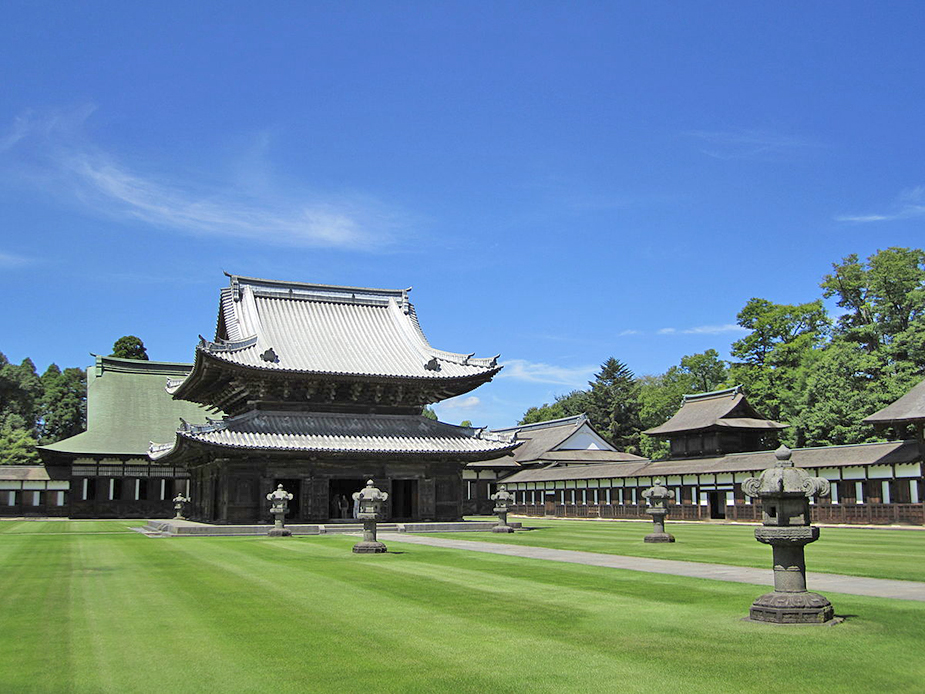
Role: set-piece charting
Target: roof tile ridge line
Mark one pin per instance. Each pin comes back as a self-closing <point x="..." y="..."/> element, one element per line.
<point x="405" y="320"/>
<point x="247" y="314"/>
<point x="227" y="346"/>
<point x="311" y="285"/>
<point x="712" y="394"/>
<point x="453" y="357"/>
<point x="546" y="423"/>
<point x="123" y="360"/>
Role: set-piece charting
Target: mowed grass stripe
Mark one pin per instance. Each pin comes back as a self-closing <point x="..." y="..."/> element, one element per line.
<point x="35" y="618"/>
<point x="231" y="614"/>
<point x="876" y="553"/>
<point x="57" y="527"/>
<point x="133" y="623"/>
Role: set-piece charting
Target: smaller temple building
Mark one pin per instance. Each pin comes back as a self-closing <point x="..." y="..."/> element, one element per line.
<point x="556" y="443"/>
<point x="105" y="472"/>
<point x="322" y="388"/>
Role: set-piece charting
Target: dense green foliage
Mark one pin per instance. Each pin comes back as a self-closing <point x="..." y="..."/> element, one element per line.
<point x="129" y="347"/>
<point x="38" y="409"/>
<point x="797" y="364"/>
<point x="101" y="613"/>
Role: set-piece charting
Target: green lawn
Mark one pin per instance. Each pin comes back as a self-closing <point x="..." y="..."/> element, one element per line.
<point x="100" y="612"/>
<point x="878" y="553"/>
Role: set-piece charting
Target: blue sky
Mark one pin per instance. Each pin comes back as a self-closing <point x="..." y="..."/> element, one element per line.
<point x="559" y="182"/>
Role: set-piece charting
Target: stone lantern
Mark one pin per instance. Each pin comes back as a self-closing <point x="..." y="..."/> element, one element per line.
<point x="369" y="500"/>
<point x="279" y="506"/>
<point x="785" y="492"/>
<point x="179" y="501"/>
<point x="658" y="497"/>
<point x="503" y="501"/>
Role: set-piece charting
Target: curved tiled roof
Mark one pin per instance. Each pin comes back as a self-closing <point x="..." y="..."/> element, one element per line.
<point x="340" y="433"/>
<point x="292" y="327"/>
<point x="909" y="408"/>
<point x="722" y="408"/>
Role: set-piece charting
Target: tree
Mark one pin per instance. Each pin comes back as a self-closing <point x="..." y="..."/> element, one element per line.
<point x="568" y="405"/>
<point x="706" y="370"/>
<point x="17" y="445"/>
<point x="884" y="302"/>
<point x="63" y="405"/>
<point x="877" y="350"/>
<point x="775" y="354"/>
<point x="428" y="412"/>
<point x="840" y="389"/>
<point x="614" y="405"/>
<point x="129" y="347"/>
<point x="20" y="391"/>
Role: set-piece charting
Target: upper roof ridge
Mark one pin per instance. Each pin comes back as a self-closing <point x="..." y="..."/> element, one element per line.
<point x="574" y="419"/>
<point x="319" y="292"/>
<point x="735" y="390"/>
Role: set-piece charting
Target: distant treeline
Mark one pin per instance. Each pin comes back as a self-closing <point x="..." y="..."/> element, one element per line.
<point x="799" y="365"/>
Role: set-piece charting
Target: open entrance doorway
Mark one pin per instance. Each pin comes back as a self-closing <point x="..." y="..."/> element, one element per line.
<point x="404" y="499"/>
<point x="549" y="504"/>
<point x="340" y="497"/>
<point x="291" y="486"/>
<point x="717" y="503"/>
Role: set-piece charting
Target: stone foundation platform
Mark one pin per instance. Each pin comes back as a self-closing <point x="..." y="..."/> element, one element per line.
<point x="177" y="528"/>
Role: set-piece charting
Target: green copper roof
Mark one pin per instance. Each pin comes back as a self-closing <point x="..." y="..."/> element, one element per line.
<point x="128" y="407"/>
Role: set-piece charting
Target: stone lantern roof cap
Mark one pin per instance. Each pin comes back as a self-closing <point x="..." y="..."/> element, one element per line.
<point x="785" y="480"/>
<point x="370" y="493"/>
<point x="279" y="494"/>
<point x="657" y="491"/>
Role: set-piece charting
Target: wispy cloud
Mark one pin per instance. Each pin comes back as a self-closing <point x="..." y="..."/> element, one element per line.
<point x="696" y="330"/>
<point x="461" y="403"/>
<point x="749" y="144"/>
<point x="11" y="260"/>
<point x="715" y="329"/>
<point x="537" y="372"/>
<point x="909" y="204"/>
<point x="53" y="152"/>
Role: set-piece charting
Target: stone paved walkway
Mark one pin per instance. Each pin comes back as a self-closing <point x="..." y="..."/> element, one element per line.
<point x="823" y="583"/>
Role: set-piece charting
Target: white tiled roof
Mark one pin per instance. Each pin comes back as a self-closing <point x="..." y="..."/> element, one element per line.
<point x="289" y="326"/>
<point x="342" y="433"/>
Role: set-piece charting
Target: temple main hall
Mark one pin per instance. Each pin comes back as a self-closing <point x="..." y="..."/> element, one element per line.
<point x="320" y="388"/>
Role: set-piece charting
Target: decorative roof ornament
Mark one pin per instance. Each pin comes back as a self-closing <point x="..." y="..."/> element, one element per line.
<point x="270" y="356"/>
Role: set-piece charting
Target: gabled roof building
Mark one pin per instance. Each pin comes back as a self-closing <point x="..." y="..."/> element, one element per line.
<point x="558" y="443"/>
<point x="717" y="440"/>
<point x="322" y="388"/>
<point x="716" y="423"/>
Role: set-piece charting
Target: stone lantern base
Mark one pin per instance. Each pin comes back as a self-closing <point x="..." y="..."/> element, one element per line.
<point x="791" y="608"/>
<point x="502" y="529"/>
<point x="658" y="537"/>
<point x="369" y="547"/>
<point x="279" y="532"/>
